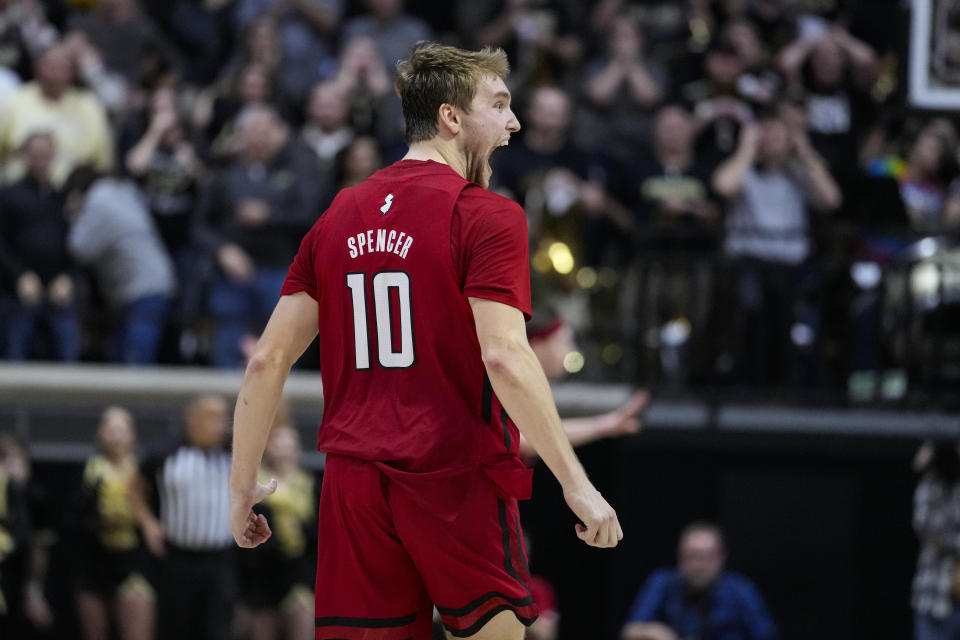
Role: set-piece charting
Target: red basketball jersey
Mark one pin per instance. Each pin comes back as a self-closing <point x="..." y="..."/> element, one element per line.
<point x="391" y="264"/>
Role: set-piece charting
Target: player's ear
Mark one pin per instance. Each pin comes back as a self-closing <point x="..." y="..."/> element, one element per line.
<point x="448" y="117"/>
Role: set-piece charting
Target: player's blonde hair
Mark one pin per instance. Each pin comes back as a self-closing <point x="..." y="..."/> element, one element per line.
<point x="437" y="74"/>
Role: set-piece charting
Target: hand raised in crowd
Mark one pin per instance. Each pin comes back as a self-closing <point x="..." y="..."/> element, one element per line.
<point x="252" y="212"/>
<point x="250" y="529"/>
<point x="29" y="289"/>
<point x="162" y="120"/>
<point x="600" y="526"/>
<point x="235" y="262"/>
<point x="60" y="290"/>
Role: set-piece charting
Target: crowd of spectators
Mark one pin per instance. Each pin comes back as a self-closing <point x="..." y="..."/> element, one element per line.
<point x="693" y="171"/>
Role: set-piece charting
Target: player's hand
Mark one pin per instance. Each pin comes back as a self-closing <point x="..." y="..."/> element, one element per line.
<point x="250" y="529"/>
<point x="600" y="526"/>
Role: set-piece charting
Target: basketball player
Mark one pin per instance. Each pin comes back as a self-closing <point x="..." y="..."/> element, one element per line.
<point x="418" y="279"/>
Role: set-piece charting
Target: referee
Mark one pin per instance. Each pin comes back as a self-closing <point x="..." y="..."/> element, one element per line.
<point x="189" y="484"/>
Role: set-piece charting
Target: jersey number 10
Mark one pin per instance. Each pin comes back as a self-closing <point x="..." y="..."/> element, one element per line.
<point x="383" y="282"/>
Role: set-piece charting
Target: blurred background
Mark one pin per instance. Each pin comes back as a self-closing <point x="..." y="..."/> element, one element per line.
<point x="748" y="208"/>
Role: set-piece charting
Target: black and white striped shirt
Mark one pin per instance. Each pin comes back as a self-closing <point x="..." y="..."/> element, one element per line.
<point x="193" y="493"/>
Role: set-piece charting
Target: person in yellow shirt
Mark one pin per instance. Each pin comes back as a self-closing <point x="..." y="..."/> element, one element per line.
<point x="52" y="103"/>
<point x="109" y="570"/>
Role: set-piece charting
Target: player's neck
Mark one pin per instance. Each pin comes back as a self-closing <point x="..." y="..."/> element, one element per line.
<point x="439" y="151"/>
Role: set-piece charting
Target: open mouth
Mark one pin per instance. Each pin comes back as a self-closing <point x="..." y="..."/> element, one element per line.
<point x="502" y="143"/>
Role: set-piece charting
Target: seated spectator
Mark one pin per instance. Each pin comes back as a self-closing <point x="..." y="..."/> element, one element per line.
<point x="76" y="118"/>
<point x="34" y="259"/>
<point x="327" y="130"/>
<point x="768" y="184"/>
<point x="250" y="222"/>
<point x="700" y="598"/>
<point x="111" y="561"/>
<point x="305" y="33"/>
<point x="113" y="234"/>
<point x="622" y="88"/>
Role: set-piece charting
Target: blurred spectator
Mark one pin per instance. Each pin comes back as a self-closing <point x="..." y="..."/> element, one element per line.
<point x="305" y="30"/>
<point x="181" y="500"/>
<point x="34" y="259"/>
<point x="14" y="537"/>
<point x="200" y="30"/>
<point x="278" y="578"/>
<point x="24" y="30"/>
<point x="110" y="571"/>
<point x="924" y="175"/>
<point x="837" y="72"/>
<point x="110" y="88"/>
<point x="251" y="221"/>
<point x="358" y="161"/>
<point x="672" y="183"/>
<point x="215" y="114"/>
<point x="768" y="184"/>
<point x="50" y="102"/>
<point x="129" y="41"/>
<point x="672" y="196"/>
<point x="327" y="130"/>
<point x="541" y="37"/>
<point x="759" y="84"/>
<point x="390" y="27"/>
<point x="622" y="88"/>
<point x="368" y="82"/>
<point x="24" y="608"/>
<point x="563" y="189"/>
<point x="719" y="111"/>
<point x="700" y="598"/>
<point x="936" y="521"/>
<point x="112" y="233"/>
<point x="170" y="173"/>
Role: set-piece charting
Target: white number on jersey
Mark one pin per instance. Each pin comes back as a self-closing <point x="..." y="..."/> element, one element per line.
<point x="387" y="355"/>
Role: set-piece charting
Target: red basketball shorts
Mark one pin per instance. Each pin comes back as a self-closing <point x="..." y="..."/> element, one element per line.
<point x="386" y="557"/>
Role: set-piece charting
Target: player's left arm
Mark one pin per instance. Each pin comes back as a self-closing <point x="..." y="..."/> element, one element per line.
<point x="289" y="332"/>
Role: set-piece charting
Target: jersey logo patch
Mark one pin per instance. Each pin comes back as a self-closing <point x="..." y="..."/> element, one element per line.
<point x="387" y="203"/>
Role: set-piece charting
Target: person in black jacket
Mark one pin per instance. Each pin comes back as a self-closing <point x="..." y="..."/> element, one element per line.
<point x="34" y="262"/>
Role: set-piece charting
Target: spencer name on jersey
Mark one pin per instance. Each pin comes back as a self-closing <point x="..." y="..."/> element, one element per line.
<point x="379" y="241"/>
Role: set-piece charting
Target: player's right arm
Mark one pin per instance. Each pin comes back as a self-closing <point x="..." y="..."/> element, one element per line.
<point x="522" y="387"/>
<point x="289" y="332"/>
